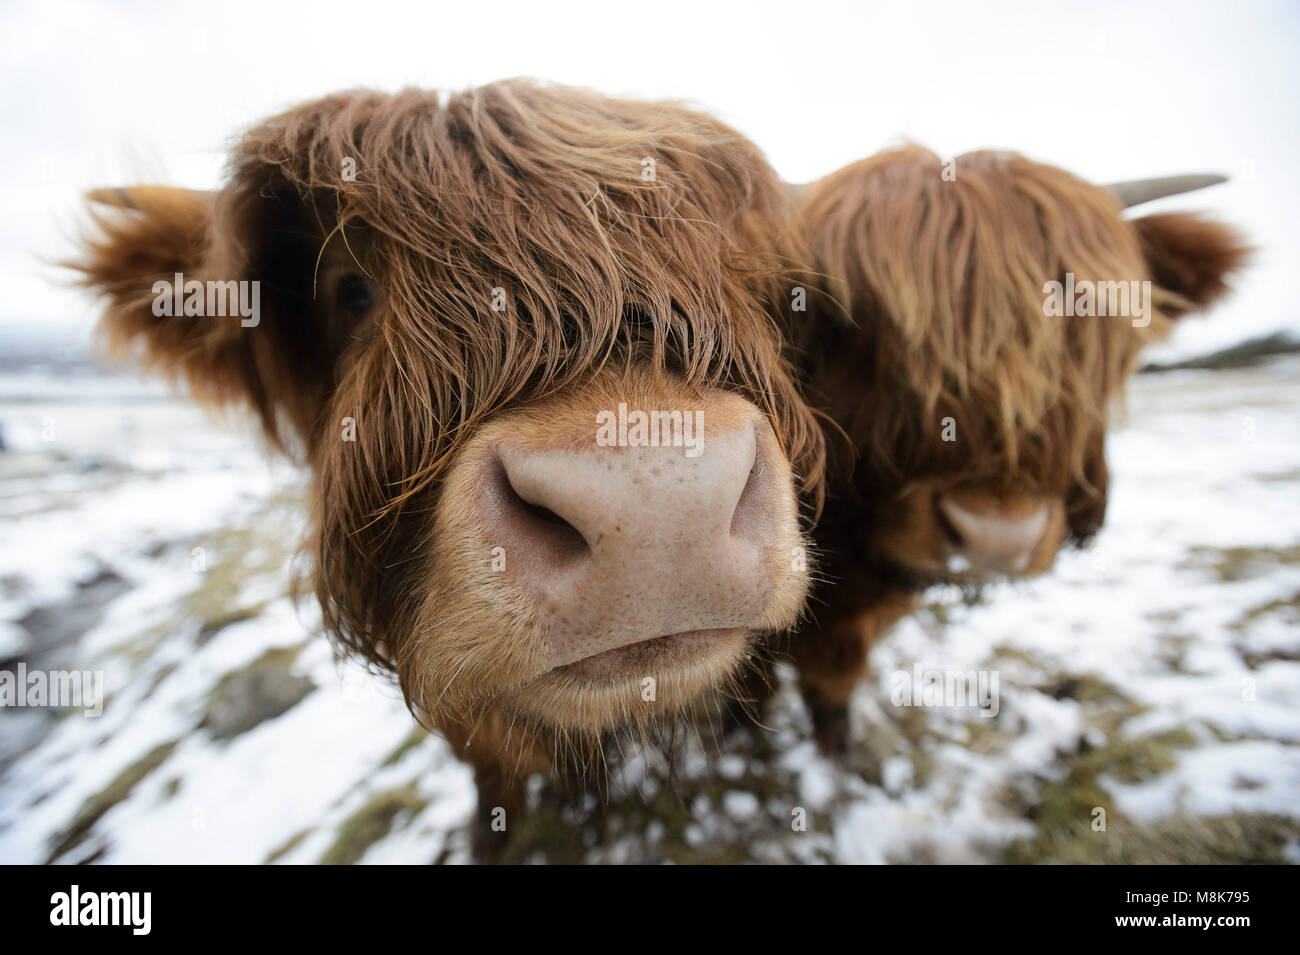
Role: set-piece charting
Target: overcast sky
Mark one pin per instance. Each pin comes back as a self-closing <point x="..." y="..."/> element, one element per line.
<point x="98" y="93"/>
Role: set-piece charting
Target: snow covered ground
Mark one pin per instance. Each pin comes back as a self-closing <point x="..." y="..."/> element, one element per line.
<point x="1151" y="683"/>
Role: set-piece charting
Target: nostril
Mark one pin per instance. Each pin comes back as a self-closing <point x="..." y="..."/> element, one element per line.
<point x="1000" y="534"/>
<point x="748" y="512"/>
<point x="537" y="524"/>
<point x="946" y="527"/>
<point x="544" y="513"/>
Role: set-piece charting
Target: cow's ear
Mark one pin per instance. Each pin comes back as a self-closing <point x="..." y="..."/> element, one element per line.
<point x="1191" y="257"/>
<point x="217" y="290"/>
<point x="141" y="238"/>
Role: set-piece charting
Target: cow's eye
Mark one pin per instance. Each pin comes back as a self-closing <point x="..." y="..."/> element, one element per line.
<point x="356" y="293"/>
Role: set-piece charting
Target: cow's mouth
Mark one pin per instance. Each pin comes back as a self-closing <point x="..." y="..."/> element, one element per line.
<point x="636" y="682"/>
<point x="648" y="656"/>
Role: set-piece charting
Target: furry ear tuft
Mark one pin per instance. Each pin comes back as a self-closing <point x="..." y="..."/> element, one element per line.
<point x="150" y="234"/>
<point x="1191" y="256"/>
<point x="244" y="243"/>
<point x="147" y="236"/>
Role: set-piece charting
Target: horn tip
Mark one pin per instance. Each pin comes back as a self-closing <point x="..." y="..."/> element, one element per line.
<point x="116" y="198"/>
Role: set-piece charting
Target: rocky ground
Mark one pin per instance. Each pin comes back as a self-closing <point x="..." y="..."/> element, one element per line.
<point x="1154" y="678"/>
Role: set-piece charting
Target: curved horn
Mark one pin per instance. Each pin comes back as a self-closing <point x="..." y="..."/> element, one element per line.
<point x="139" y="197"/>
<point x="1137" y="191"/>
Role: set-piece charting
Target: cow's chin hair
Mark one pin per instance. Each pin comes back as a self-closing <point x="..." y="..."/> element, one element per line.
<point x="461" y="667"/>
<point x="493" y="667"/>
<point x="490" y="655"/>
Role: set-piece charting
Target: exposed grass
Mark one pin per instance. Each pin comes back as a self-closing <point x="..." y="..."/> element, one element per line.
<point x="214" y="625"/>
<point x="1065" y="809"/>
<point x="413" y="739"/>
<point x="282" y="850"/>
<point x="1238" y="839"/>
<point x="231" y="558"/>
<point x="1286" y="608"/>
<point x="94" y="808"/>
<point x="1232" y="564"/>
<point x="260" y="691"/>
<point x="710" y="817"/>
<point x="1085" y="688"/>
<point x="159" y="678"/>
<point x="372" y="822"/>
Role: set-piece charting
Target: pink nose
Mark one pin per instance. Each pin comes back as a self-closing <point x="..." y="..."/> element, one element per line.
<point x="994" y="540"/>
<point x="618" y="545"/>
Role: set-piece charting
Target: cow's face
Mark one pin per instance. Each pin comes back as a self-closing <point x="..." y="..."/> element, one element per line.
<point x="526" y="339"/>
<point x="991" y="310"/>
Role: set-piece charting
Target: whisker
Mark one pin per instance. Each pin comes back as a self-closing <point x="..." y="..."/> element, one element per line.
<point x="453" y="679"/>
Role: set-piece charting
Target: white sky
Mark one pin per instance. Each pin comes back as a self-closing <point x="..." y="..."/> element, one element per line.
<point x="101" y="94"/>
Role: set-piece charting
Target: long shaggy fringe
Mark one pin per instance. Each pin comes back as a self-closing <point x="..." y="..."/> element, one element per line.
<point x="616" y="234"/>
<point x="619" y="232"/>
<point x="942" y="280"/>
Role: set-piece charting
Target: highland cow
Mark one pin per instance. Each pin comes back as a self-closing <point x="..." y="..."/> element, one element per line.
<point x="974" y="406"/>
<point x="456" y="299"/>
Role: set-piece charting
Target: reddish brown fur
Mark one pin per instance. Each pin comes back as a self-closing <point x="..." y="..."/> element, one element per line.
<point x="931" y="306"/>
<point x="612" y="281"/>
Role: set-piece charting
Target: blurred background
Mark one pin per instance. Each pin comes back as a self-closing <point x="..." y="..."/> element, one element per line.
<point x="1156" y="675"/>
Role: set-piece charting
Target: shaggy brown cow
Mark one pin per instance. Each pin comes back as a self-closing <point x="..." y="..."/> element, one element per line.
<point x="973" y="392"/>
<point x="468" y="311"/>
